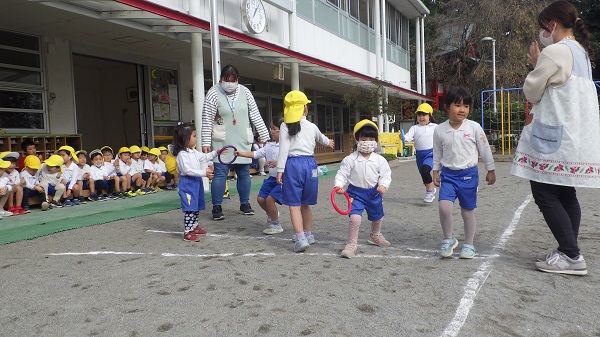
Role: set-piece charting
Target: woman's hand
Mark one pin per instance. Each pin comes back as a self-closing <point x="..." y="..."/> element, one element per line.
<point x="534" y="53"/>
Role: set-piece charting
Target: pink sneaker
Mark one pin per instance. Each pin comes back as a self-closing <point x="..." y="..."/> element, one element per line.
<point x="191" y="236"/>
<point x="349" y="251"/>
<point x="378" y="240"/>
<point x="199" y="230"/>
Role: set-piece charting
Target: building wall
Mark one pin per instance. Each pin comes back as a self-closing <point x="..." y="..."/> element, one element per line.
<point x="59" y="77"/>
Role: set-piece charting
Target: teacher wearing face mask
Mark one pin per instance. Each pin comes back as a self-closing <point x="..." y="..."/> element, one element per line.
<point x="228" y="114"/>
<point x="559" y="148"/>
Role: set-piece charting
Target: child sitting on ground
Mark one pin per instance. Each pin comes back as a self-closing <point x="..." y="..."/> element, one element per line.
<point x="152" y="166"/>
<point x="83" y="175"/>
<point x="124" y="167"/>
<point x="111" y="172"/>
<point x="52" y="182"/>
<point x="30" y="178"/>
<point x="99" y="179"/>
<point x="15" y="197"/>
<point x="140" y="178"/>
<point x="70" y="174"/>
<point x="5" y="188"/>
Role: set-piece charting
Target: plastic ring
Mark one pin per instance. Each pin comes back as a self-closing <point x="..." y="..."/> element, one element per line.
<point x="221" y="151"/>
<point x="337" y="209"/>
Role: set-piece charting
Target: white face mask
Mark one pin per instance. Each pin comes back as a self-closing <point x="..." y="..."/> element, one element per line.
<point x="229" y="87"/>
<point x="98" y="165"/>
<point x="366" y="146"/>
<point x="546" y="41"/>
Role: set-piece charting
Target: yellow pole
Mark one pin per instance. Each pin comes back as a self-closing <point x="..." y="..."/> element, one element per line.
<point x="509" y="133"/>
<point x="502" y="118"/>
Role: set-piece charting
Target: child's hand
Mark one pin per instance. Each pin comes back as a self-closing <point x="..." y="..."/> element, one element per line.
<point x="38" y="188"/>
<point x="490" y="177"/>
<point x="210" y="171"/>
<point x="340" y="190"/>
<point x="85" y="176"/>
<point x="436" y="178"/>
<point x="23" y="181"/>
<point x="279" y="178"/>
<point x="105" y="177"/>
<point x="3" y="190"/>
<point x="116" y="163"/>
<point x="272" y="163"/>
<point x="331" y="144"/>
<point x="381" y="189"/>
<point x="67" y="193"/>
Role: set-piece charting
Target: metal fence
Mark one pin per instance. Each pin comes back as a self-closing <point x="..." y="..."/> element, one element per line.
<point x="503" y="118"/>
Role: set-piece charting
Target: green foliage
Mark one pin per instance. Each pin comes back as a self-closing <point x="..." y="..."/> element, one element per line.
<point x="389" y="156"/>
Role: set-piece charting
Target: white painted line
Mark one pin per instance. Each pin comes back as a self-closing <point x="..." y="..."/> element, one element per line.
<point x="476" y="281"/>
<point x="98" y="253"/>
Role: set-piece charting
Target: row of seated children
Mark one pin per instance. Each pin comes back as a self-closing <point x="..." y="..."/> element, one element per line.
<point x="61" y="178"/>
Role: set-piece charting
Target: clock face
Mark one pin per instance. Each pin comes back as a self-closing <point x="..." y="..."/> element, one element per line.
<point x="253" y="13"/>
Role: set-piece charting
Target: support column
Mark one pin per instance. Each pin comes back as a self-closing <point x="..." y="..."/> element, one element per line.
<point x="214" y="41"/>
<point x="377" y="21"/>
<point x="418" y="52"/>
<point x="294" y="69"/>
<point x="423" y="78"/>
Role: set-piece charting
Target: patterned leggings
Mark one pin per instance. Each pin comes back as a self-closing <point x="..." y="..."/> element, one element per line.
<point x="190" y="220"/>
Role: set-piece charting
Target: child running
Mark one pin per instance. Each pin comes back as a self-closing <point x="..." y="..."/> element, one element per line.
<point x="270" y="192"/>
<point x="422" y="135"/>
<point x="191" y="188"/>
<point x="369" y="176"/>
<point x="457" y="144"/>
<point x="296" y="166"/>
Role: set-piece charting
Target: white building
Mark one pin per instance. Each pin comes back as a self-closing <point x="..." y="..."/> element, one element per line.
<point x="124" y="72"/>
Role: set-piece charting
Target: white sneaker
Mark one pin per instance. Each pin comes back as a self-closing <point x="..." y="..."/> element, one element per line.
<point x="430" y="196"/>
<point x="263" y="173"/>
<point x="6" y="213"/>
<point x="273" y="230"/>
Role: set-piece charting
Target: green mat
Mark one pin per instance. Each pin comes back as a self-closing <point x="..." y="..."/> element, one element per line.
<point x="38" y="223"/>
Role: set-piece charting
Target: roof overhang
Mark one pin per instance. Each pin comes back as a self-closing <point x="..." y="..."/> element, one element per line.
<point x="157" y="19"/>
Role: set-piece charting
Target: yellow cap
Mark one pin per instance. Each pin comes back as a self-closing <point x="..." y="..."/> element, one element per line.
<point x="4" y="164"/>
<point x="134" y="149"/>
<point x="9" y="154"/>
<point x="70" y="151"/>
<point x="124" y="149"/>
<point x="362" y="123"/>
<point x="54" y="160"/>
<point x="295" y="101"/>
<point x="106" y="147"/>
<point x="154" y="151"/>
<point x="426" y="108"/>
<point x="145" y="149"/>
<point x="33" y="162"/>
<point x="162" y="148"/>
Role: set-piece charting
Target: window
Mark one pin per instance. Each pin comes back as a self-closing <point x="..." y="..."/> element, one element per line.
<point x="22" y="98"/>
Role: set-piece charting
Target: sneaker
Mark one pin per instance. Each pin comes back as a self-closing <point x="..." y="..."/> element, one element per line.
<point x="560" y="263"/>
<point x="430" y="196"/>
<point x="76" y="202"/>
<point x="130" y="194"/>
<point x="139" y="192"/>
<point x="349" y="251"/>
<point x="68" y="203"/>
<point x="246" y="209"/>
<point x="13" y="210"/>
<point x="20" y="211"/>
<point x="148" y="190"/>
<point x="198" y="230"/>
<point x="378" y="240"/>
<point x="92" y="197"/>
<point x="191" y="236"/>
<point x="311" y="239"/>
<point x="101" y="198"/>
<point x="82" y="200"/>
<point x="111" y="196"/>
<point x="467" y="251"/>
<point x="301" y="245"/>
<point x="273" y="229"/>
<point x="217" y="213"/>
<point x="45" y="206"/>
<point x="262" y="173"/>
<point x="448" y="245"/>
<point x="5" y="213"/>
<point x="56" y="204"/>
<point x="544" y="256"/>
<point x="26" y="210"/>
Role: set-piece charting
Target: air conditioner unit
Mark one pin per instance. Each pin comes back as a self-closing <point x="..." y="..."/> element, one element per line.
<point x="279" y="72"/>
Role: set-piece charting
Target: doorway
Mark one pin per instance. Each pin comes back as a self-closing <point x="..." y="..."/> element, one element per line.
<point x="106" y="102"/>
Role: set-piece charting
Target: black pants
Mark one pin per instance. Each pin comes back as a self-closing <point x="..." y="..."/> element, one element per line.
<point x="562" y="213"/>
<point x="426" y="174"/>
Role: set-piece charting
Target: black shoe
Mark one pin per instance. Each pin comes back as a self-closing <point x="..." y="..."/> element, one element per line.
<point x="217" y="213"/>
<point x="246" y="209"/>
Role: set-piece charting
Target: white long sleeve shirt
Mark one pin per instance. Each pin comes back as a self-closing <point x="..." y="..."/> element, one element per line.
<point x="188" y="162"/>
<point x="364" y="172"/>
<point x="270" y="152"/>
<point x="30" y="180"/>
<point x="70" y="174"/>
<point x="421" y="135"/>
<point x="460" y="149"/>
<point x="13" y="177"/>
<point x="301" y="144"/>
<point x="4" y="182"/>
<point x="52" y="178"/>
<point x="124" y="169"/>
<point x="553" y="68"/>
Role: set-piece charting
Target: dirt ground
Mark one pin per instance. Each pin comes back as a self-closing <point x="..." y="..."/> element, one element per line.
<point x="137" y="277"/>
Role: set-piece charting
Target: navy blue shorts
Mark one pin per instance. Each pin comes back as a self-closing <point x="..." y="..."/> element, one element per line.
<point x="366" y="199"/>
<point x="461" y="184"/>
<point x="191" y="194"/>
<point x="270" y="187"/>
<point x="300" y="181"/>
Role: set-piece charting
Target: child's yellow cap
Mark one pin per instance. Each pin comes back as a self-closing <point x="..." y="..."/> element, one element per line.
<point x="362" y="123"/>
<point x="33" y="162"/>
<point x="55" y="160"/>
<point x="154" y="151"/>
<point x="145" y="149"/>
<point x="70" y="150"/>
<point x="134" y="149"/>
<point x="425" y="108"/>
<point x="162" y="148"/>
<point x="4" y="164"/>
<point x="124" y="149"/>
<point x="294" y="101"/>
